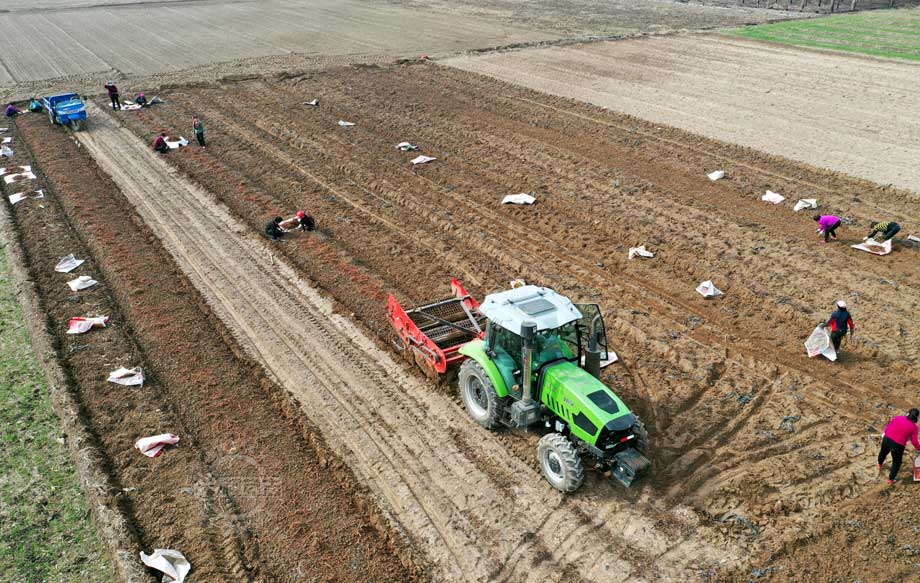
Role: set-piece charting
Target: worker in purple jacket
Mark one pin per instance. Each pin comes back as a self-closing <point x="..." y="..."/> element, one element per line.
<point x="899" y="431"/>
<point x="828" y="224"/>
<point x="113" y="95"/>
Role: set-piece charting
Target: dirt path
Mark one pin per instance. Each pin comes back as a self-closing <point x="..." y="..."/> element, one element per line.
<point x="477" y="510"/>
<point x="835" y="111"/>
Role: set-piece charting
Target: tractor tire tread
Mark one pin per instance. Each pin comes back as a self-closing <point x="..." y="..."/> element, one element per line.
<point x="495" y="405"/>
<point x="573" y="467"/>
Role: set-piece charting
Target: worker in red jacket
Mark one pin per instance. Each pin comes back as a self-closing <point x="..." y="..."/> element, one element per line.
<point x="160" y="144"/>
<point x="898" y="431"/>
<point x="840" y="322"/>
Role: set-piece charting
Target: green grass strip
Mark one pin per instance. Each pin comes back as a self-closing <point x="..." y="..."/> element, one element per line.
<point x="893" y="34"/>
<point x="46" y="535"/>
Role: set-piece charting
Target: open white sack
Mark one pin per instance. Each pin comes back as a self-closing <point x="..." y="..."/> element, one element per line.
<point x="7" y="141"/>
<point x="773" y="197"/>
<point x="6" y="151"/>
<point x="708" y="289"/>
<point x="717" y="175"/>
<point x="871" y="246"/>
<point x="130" y="106"/>
<point x="129" y="377"/>
<point x="913" y="238"/>
<point x="80" y="325"/>
<point x="521" y="198"/>
<point x="25" y="173"/>
<point x="423" y="160"/>
<point x="181" y="142"/>
<point x="345" y="124"/>
<point x="406" y="147"/>
<point x="819" y="342"/>
<point x="82" y="282"/>
<point x="172" y="564"/>
<point x="153" y="446"/>
<point x="21" y="196"/>
<point x="68" y="264"/>
<point x="640" y="251"/>
<point x="805" y="203"/>
<point x="313" y="103"/>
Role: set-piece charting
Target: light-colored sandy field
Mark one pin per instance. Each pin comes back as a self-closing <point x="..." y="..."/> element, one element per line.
<point x="846" y="113"/>
<point x="145" y="39"/>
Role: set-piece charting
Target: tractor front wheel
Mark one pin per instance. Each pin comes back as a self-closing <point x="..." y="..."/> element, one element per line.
<point x="482" y="402"/>
<point x="560" y="463"/>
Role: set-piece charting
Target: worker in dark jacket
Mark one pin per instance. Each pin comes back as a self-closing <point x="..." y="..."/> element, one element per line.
<point x="273" y="229"/>
<point x="840" y="321"/>
<point x="899" y="430"/>
<point x="113" y="95"/>
<point x="160" y="144"/>
<point x="887" y="230"/>
<point x="305" y="221"/>
<point x="141" y="100"/>
<point x="35" y="106"/>
<point x="198" y="128"/>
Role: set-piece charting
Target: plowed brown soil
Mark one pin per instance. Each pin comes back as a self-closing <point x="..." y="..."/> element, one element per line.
<point x="251" y="493"/>
<point x="768" y="446"/>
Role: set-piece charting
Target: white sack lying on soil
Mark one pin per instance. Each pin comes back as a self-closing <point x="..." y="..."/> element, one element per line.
<point x="521" y="198"/>
<point x="68" y="264"/>
<point x="871" y="246"/>
<point x="172" y="564"/>
<point x="773" y="197"/>
<point x="345" y="124"/>
<point x="422" y="160"/>
<point x="717" y="175"/>
<point x="153" y="446"/>
<point x="82" y="282"/>
<point x="806" y="203"/>
<point x="80" y="325"/>
<point x="177" y="144"/>
<point x="708" y="289"/>
<point x="640" y="251"/>
<point x="129" y="377"/>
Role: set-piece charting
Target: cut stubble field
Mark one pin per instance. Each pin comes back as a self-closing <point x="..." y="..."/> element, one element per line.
<point x="768" y="447"/>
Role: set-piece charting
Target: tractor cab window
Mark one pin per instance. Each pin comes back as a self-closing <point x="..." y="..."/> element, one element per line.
<point x="507" y="348"/>
<point x="551" y="345"/>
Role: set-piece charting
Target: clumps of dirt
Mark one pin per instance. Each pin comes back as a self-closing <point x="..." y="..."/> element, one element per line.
<point x="251" y="492"/>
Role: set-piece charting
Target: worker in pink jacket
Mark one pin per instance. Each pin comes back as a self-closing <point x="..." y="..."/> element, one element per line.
<point x="898" y="431"/>
<point x="828" y="224"/>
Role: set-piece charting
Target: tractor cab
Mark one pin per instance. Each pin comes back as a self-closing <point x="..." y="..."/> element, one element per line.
<point x="562" y="332"/>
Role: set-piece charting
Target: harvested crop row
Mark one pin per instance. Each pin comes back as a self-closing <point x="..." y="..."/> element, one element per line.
<point x="250" y="493"/>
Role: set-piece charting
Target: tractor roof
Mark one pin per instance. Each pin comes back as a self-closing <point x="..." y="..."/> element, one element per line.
<point x="509" y="309"/>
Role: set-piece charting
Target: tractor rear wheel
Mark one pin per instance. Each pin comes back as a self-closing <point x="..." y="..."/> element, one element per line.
<point x="641" y="436"/>
<point x="560" y="462"/>
<point x="482" y="402"/>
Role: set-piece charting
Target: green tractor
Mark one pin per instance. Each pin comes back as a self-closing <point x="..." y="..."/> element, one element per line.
<point x="530" y="358"/>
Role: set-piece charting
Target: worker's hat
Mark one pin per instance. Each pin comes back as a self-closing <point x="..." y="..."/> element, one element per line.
<point x="301" y="214"/>
<point x="841" y="304"/>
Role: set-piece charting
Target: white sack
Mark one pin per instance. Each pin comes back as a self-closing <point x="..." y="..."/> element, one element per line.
<point x="819" y="342"/>
<point x="422" y="160"/>
<point x="806" y="203"/>
<point x="153" y="446"/>
<point x="772" y="197"/>
<point x="130" y="106"/>
<point x="4" y="130"/>
<point x="406" y="147"/>
<point x="708" y="289"/>
<point x="81" y="325"/>
<point x="6" y="151"/>
<point x="7" y="141"/>
<point x="172" y="564"/>
<point x="82" y="282"/>
<point x="18" y="197"/>
<point x="68" y="264"/>
<point x="640" y="251"/>
<point x="874" y="247"/>
<point x="345" y="124"/>
<point x="717" y="175"/>
<point x="129" y="377"/>
<point x="913" y="238"/>
<point x="314" y="103"/>
<point x="521" y="198"/>
<point x="25" y="173"/>
<point x="177" y="144"/>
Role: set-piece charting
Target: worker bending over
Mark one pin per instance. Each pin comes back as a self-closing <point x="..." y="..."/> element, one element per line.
<point x="160" y="144"/>
<point x="35" y="106"/>
<point x="887" y="230"/>
<point x="840" y="321"/>
<point x="828" y="224"/>
<point x="273" y="229"/>
<point x="12" y="110"/>
<point x="302" y="221"/>
<point x="894" y="440"/>
<point x="141" y="100"/>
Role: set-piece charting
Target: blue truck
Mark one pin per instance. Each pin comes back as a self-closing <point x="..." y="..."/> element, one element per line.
<point x="66" y="109"/>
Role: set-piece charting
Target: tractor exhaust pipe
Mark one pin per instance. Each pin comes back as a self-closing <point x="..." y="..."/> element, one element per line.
<point x="593" y="351"/>
<point x="528" y="331"/>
